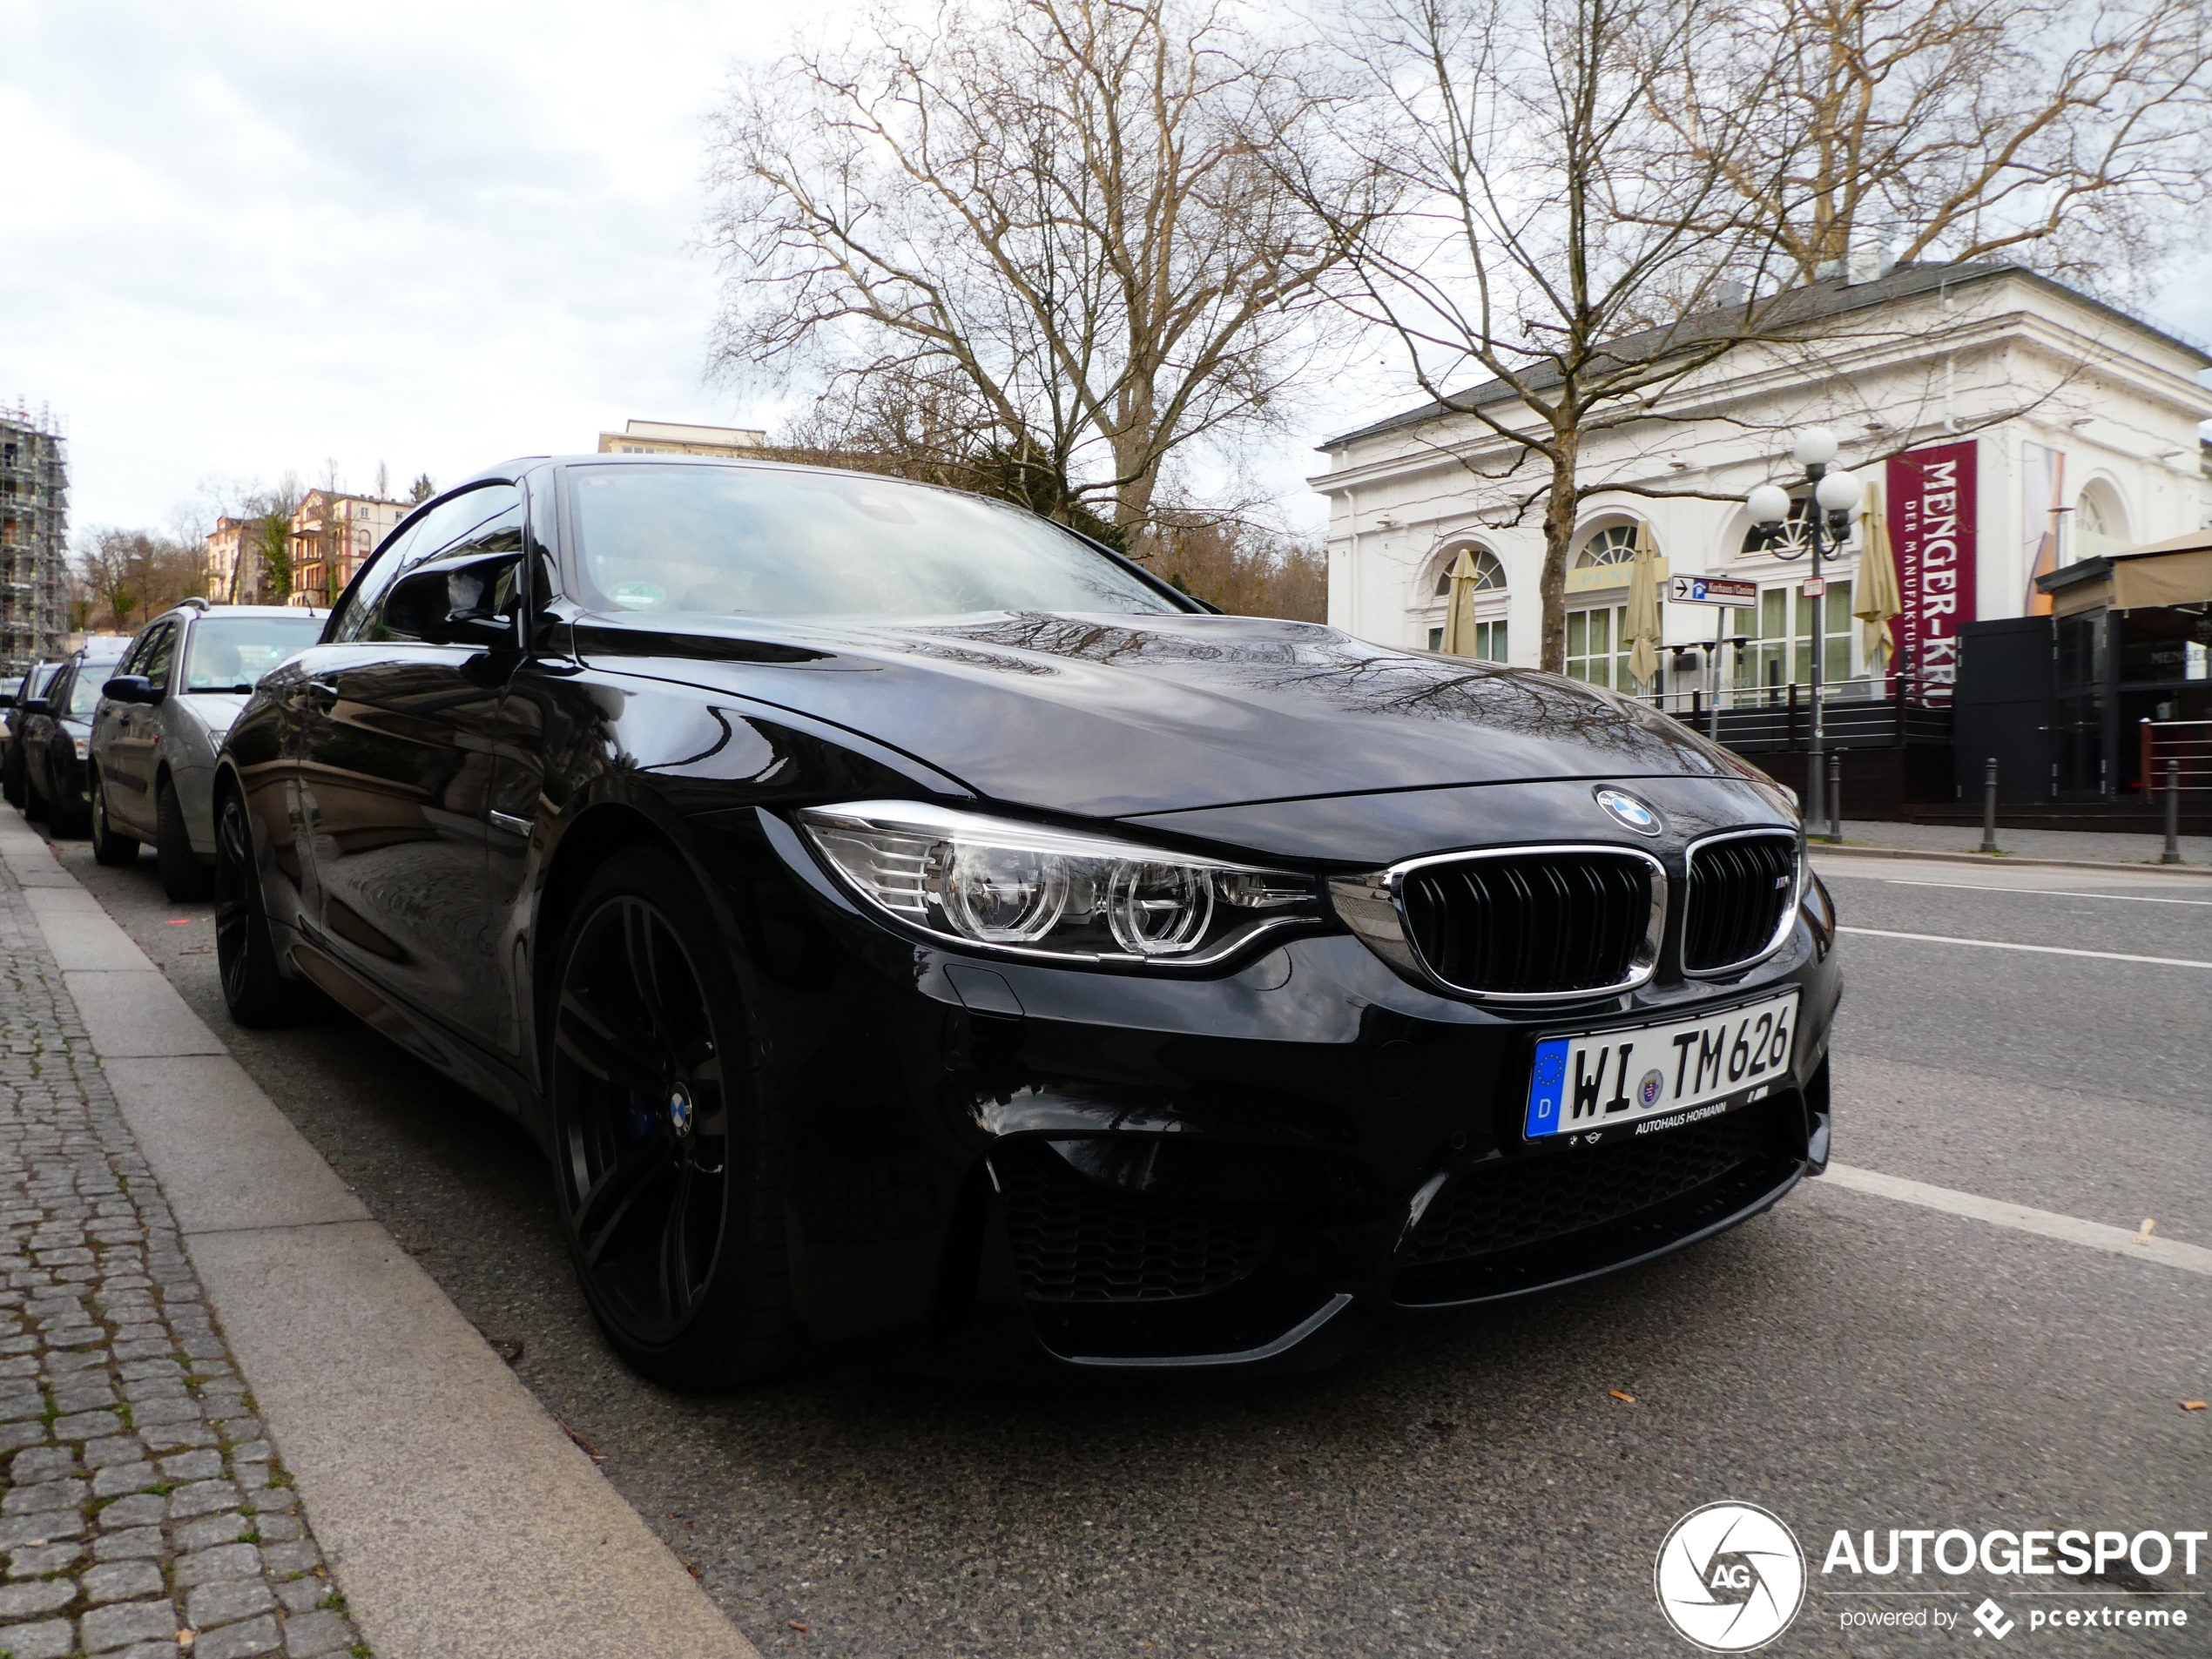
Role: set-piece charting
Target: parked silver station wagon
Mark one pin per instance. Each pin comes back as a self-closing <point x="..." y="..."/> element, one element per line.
<point x="163" y="714"/>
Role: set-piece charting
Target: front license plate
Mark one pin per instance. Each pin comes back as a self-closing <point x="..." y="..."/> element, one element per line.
<point x="1642" y="1073"/>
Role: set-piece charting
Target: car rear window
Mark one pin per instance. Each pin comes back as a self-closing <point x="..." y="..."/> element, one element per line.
<point x="736" y="541"/>
<point x="230" y="653"/>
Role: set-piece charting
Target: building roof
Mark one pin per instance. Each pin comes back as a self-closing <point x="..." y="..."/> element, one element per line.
<point x="1815" y="302"/>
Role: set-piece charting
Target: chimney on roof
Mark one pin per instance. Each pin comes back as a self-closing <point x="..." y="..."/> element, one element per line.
<point x="1869" y="260"/>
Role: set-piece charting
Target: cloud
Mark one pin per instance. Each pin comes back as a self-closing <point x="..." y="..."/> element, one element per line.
<point x="243" y="238"/>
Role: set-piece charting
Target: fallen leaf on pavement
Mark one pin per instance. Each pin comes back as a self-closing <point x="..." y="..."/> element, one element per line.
<point x="2192" y="1405"/>
<point x="1626" y="1400"/>
<point x="2143" y="1233"/>
<point x="802" y="1628"/>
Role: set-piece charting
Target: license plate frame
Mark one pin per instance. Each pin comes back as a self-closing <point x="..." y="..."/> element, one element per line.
<point x="1602" y="1101"/>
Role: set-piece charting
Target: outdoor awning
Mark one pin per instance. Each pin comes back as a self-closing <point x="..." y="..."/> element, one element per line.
<point x="2174" y="572"/>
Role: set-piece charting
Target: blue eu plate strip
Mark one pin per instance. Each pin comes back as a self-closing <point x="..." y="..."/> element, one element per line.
<point x="1548" y="1088"/>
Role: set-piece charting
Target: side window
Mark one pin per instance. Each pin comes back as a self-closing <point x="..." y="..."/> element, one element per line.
<point x="486" y="522"/>
<point x="160" y="653"/>
<point x="137" y="654"/>
<point x="435" y="529"/>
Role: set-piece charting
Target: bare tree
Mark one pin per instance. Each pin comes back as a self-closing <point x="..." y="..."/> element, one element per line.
<point x="1604" y="199"/>
<point x="136" y="574"/>
<point x="1553" y="233"/>
<point x="2068" y="134"/>
<point x="1242" y="569"/>
<point x="1053" y="208"/>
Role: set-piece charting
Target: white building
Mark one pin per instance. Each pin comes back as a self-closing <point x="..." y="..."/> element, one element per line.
<point x="674" y="438"/>
<point x="2059" y="417"/>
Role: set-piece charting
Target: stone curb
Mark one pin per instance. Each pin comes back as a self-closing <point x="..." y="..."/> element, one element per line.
<point x="2008" y="862"/>
<point x="461" y="1521"/>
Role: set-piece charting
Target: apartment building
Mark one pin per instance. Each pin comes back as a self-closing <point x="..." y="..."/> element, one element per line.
<point x="332" y="533"/>
<point x="34" y="539"/>
<point x="672" y="438"/>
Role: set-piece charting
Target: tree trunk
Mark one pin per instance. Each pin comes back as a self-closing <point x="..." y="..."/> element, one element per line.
<point x="1559" y="534"/>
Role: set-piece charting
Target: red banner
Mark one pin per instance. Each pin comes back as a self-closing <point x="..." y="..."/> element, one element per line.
<point x="1932" y="503"/>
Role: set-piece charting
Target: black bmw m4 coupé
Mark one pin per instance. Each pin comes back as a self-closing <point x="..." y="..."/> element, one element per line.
<point x="915" y="932"/>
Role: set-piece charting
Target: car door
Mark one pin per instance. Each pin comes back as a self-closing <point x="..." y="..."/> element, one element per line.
<point x="42" y="730"/>
<point x="394" y="742"/>
<point x="124" y="733"/>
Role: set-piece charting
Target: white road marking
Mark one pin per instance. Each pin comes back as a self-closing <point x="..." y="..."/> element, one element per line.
<point x="2040" y="892"/>
<point x="2119" y="1241"/>
<point x="2046" y="950"/>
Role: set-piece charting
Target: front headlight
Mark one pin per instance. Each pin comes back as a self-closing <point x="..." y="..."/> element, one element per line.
<point x="1035" y="890"/>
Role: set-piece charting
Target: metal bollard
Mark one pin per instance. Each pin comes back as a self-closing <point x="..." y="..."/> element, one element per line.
<point x="1989" y="807"/>
<point x="2173" y="852"/>
<point x="1835" y="797"/>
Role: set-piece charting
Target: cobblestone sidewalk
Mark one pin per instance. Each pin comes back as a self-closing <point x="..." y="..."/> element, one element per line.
<point x="144" y="1515"/>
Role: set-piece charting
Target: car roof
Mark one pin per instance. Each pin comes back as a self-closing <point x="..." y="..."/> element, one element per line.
<point x="241" y="611"/>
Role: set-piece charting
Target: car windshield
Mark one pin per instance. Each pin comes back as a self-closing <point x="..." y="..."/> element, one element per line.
<point x="230" y="653"/>
<point x="739" y="540"/>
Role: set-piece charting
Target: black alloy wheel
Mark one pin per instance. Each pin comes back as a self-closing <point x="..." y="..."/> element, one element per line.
<point x="663" y="1160"/>
<point x="108" y="845"/>
<point x="256" y="990"/>
<point x="183" y="878"/>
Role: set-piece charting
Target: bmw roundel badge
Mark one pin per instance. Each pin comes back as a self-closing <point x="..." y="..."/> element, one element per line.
<point x="1629" y="811"/>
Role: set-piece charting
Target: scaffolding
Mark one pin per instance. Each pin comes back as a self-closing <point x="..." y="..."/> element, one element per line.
<point x="34" y="538"/>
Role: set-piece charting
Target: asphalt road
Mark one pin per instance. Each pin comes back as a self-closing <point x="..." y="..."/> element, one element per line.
<point x="1469" y="1484"/>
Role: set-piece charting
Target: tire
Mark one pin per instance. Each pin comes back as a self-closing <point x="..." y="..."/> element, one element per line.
<point x="108" y="845"/>
<point x="67" y="819"/>
<point x="254" y="987"/>
<point x="666" y="1166"/>
<point x="34" y="804"/>
<point x="183" y="878"/>
<point x="11" y="780"/>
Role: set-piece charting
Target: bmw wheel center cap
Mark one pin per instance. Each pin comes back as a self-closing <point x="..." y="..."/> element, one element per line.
<point x="1629" y="812"/>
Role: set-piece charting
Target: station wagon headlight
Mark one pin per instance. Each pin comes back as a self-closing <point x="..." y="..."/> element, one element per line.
<point x="1002" y="884"/>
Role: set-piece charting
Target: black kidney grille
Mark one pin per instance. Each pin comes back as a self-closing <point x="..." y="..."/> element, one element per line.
<point x="1527" y="1201"/>
<point x="1533" y="924"/>
<point x="1738" y="892"/>
<point x="1074" y="1242"/>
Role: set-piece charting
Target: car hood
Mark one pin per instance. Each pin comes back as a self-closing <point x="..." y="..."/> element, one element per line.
<point x="1109" y="716"/>
<point x="217" y="711"/>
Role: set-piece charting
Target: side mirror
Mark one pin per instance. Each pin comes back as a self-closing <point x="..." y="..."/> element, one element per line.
<point x="7" y="700"/>
<point x="130" y="688"/>
<point x="452" y="605"/>
<point x="34" y="705"/>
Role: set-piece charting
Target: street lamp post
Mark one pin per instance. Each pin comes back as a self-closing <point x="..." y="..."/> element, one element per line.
<point x="1835" y="495"/>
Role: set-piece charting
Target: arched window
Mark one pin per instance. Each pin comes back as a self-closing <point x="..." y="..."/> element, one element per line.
<point x="1483" y="636"/>
<point x="2099" y="524"/>
<point x="1489" y="573"/>
<point x="1614" y="544"/>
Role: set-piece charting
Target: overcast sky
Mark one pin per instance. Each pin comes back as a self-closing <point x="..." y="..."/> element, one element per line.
<point x="242" y="237"/>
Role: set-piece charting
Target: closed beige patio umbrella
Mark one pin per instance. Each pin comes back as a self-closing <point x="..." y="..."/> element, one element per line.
<point x="1459" y="621"/>
<point x="1876" y="599"/>
<point x="1644" y="610"/>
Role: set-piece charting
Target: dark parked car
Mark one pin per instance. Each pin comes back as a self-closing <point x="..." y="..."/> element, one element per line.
<point x="161" y="721"/>
<point x="56" y="737"/>
<point x="913" y="930"/>
<point x="35" y="680"/>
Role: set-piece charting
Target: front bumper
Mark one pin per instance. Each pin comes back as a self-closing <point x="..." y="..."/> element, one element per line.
<point x="1002" y="1166"/>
